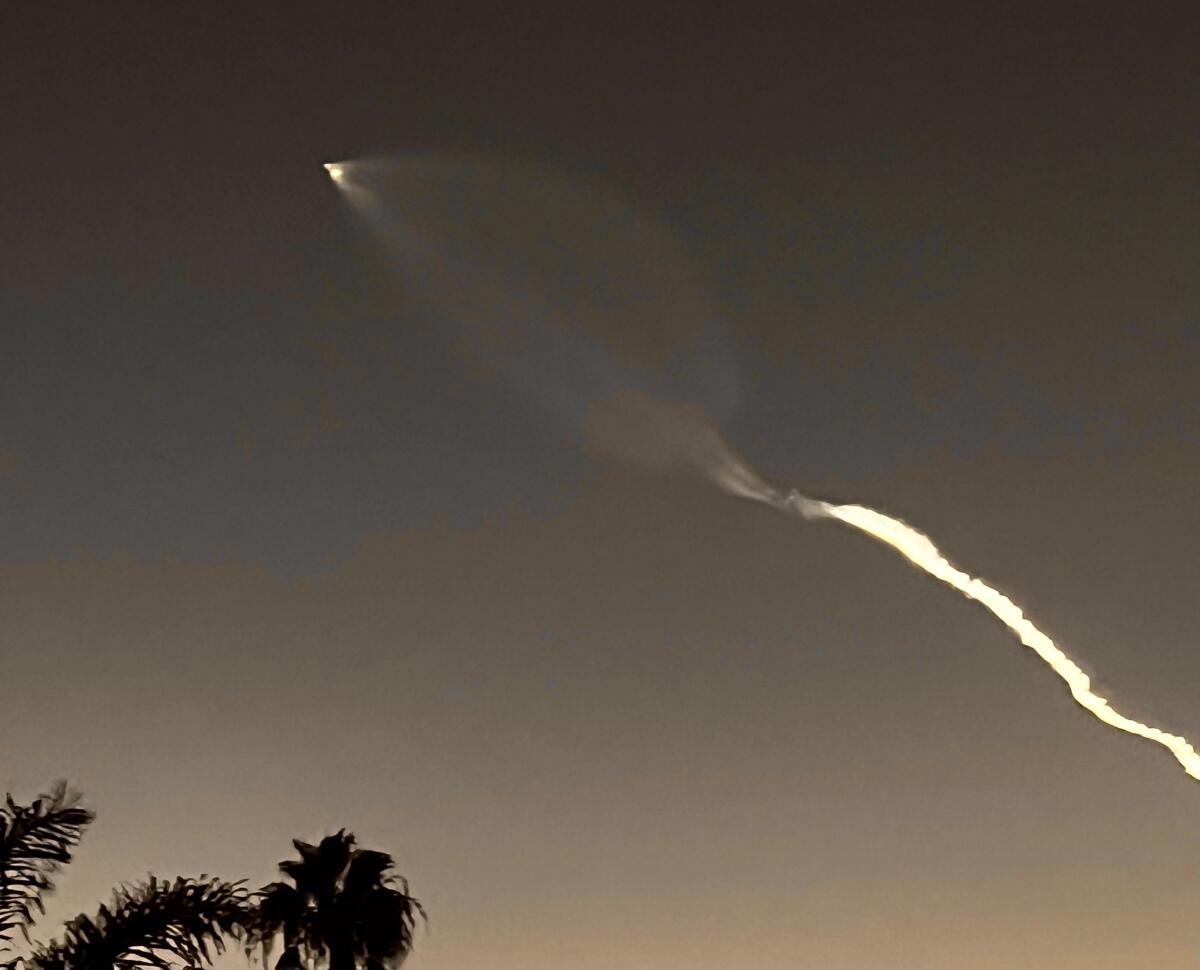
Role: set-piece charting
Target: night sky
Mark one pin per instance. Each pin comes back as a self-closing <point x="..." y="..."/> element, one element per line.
<point x="298" y="532"/>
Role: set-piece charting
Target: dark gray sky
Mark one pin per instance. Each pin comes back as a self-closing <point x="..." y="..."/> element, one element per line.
<point x="278" y="556"/>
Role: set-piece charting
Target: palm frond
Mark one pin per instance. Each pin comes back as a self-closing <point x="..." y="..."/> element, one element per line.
<point x="35" y="843"/>
<point x="280" y="911"/>
<point x="385" y="921"/>
<point x="368" y="868"/>
<point x="155" y="925"/>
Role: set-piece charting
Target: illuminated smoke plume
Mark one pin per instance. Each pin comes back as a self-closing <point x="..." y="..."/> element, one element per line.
<point x="685" y="437"/>
<point x="633" y="427"/>
<point x="554" y="285"/>
<point x="627" y="425"/>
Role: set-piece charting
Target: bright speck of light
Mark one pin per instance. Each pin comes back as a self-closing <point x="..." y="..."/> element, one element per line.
<point x="336" y="172"/>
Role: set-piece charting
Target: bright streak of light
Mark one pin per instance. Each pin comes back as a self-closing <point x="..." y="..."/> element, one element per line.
<point x="336" y="171"/>
<point x="920" y="550"/>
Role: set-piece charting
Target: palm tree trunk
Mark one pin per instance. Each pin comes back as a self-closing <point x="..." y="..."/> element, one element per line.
<point x="341" y="956"/>
<point x="289" y="959"/>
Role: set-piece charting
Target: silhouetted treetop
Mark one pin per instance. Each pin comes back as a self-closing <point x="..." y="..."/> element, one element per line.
<point x="343" y="908"/>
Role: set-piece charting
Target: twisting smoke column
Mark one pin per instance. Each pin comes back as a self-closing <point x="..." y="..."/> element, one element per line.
<point x="734" y="477"/>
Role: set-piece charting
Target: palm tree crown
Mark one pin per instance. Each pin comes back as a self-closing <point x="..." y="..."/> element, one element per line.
<point x="343" y="907"/>
<point x="153" y="925"/>
<point x="35" y="842"/>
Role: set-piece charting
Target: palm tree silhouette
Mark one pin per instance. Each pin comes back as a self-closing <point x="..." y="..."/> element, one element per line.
<point x="152" y="925"/>
<point x="343" y="907"/>
<point x="35" y="843"/>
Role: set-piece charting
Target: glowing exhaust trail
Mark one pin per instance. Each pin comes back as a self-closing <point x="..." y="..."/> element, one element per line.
<point x="735" y="478"/>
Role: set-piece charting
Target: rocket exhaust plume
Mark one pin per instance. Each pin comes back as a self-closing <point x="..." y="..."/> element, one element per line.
<point x="635" y="427"/>
<point x="921" y="552"/>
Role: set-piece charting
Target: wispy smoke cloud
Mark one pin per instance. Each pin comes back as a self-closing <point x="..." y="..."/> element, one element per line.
<point x="635" y="428"/>
<point x="553" y="284"/>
